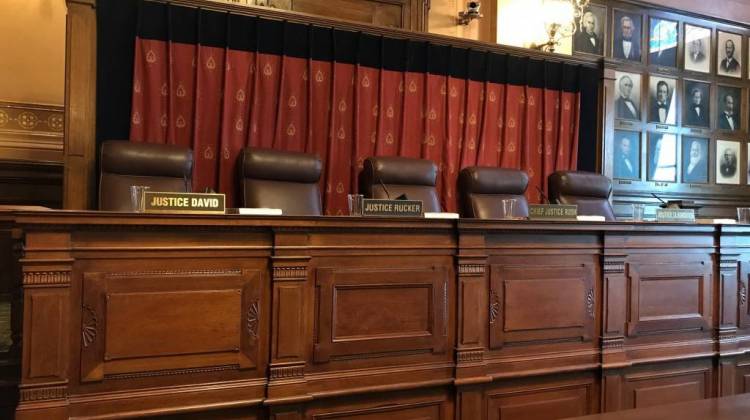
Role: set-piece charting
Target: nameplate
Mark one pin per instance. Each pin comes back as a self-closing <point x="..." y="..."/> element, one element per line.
<point x="391" y="208"/>
<point x="662" y="127"/>
<point x="675" y="215"/>
<point x="560" y="212"/>
<point x="190" y="203"/>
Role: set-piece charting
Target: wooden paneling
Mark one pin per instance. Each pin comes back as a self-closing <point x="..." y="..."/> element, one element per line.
<point x="142" y="315"/>
<point x="370" y="311"/>
<point x="543" y="398"/>
<point x="406" y="14"/>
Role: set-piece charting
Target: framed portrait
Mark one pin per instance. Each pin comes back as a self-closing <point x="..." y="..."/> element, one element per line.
<point x="696" y="104"/>
<point x="729" y="54"/>
<point x="727" y="162"/>
<point x="662" y="42"/>
<point x="589" y="37"/>
<point x="729" y="104"/>
<point x="626" y="35"/>
<point x="662" y="100"/>
<point x="627" y="155"/>
<point x="697" y="49"/>
<point x="662" y="157"/>
<point x="695" y="158"/>
<point x="628" y="91"/>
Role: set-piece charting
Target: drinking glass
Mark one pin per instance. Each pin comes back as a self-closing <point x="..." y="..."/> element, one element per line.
<point x="638" y="212"/>
<point x="355" y="204"/>
<point x="507" y="207"/>
<point x="743" y="215"/>
<point x="137" y="194"/>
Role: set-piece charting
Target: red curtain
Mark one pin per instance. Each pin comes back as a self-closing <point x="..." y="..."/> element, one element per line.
<point x="220" y="82"/>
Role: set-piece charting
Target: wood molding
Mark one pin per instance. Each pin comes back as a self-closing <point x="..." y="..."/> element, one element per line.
<point x="31" y="132"/>
<point x="80" y="105"/>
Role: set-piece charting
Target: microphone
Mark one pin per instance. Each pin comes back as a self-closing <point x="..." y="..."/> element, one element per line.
<point x="544" y="196"/>
<point x="185" y="181"/>
<point x="659" y="198"/>
<point x="387" y="194"/>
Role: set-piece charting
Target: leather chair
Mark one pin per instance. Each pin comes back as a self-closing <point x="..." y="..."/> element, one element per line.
<point x="414" y="178"/>
<point x="588" y="190"/>
<point x="159" y="166"/>
<point x="482" y="190"/>
<point x="281" y="180"/>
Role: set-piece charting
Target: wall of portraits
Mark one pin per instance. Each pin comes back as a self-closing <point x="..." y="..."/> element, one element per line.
<point x="676" y="120"/>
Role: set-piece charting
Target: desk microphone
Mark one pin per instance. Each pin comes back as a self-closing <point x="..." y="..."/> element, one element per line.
<point x="387" y="194"/>
<point x="659" y="198"/>
<point x="185" y="180"/>
<point x="544" y="196"/>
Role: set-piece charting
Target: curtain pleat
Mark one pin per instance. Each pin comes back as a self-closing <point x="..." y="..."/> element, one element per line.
<point x="218" y="83"/>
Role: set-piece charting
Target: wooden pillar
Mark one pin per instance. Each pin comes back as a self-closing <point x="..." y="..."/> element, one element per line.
<point x="80" y="105"/>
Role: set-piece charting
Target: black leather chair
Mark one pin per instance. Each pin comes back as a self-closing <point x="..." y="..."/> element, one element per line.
<point x="588" y="190"/>
<point x="124" y="164"/>
<point x="482" y="190"/>
<point x="281" y="180"/>
<point x="391" y="177"/>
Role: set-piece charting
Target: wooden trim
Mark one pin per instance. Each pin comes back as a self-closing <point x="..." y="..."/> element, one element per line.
<point x="80" y="105"/>
<point x="31" y="132"/>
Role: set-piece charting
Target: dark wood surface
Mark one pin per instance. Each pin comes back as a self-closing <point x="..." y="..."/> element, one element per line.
<point x="736" y="407"/>
<point x="337" y="317"/>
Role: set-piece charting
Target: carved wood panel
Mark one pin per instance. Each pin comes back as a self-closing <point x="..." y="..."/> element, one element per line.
<point x="544" y="398"/>
<point x="657" y="385"/>
<point x="368" y="311"/>
<point x="743" y="282"/>
<point x="538" y="303"/>
<point x="669" y="297"/>
<point x="410" y="405"/>
<point x="153" y="323"/>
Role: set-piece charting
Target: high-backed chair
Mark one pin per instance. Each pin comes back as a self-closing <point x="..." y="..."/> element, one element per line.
<point x="482" y="190"/>
<point x="124" y="164"/>
<point x="281" y="180"/>
<point x="588" y="190"/>
<point x="391" y="177"/>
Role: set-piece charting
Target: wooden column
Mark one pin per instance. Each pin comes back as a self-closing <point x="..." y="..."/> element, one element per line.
<point x="80" y="105"/>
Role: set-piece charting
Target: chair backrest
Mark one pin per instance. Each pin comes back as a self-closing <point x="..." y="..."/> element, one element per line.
<point x="124" y="164"/>
<point x="588" y="190"/>
<point x="482" y="190"/>
<point x="414" y="178"/>
<point x="281" y="180"/>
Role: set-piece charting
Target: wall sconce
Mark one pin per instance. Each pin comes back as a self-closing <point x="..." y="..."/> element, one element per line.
<point x="561" y="19"/>
<point x="471" y="13"/>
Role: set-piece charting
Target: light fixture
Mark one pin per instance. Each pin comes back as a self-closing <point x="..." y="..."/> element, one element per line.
<point x="561" y="19"/>
<point x="471" y="13"/>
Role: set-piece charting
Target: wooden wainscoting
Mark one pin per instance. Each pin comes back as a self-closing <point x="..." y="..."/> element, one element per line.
<point x="31" y="154"/>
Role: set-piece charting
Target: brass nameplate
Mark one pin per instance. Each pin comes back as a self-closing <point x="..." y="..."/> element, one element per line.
<point x="675" y="215"/>
<point x="392" y="208"/>
<point x="662" y="127"/>
<point x="190" y="203"/>
<point x="560" y="212"/>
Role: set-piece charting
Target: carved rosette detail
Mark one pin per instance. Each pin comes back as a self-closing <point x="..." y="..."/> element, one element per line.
<point x="470" y="269"/>
<point x="590" y="303"/>
<point x="46" y="393"/>
<point x="45" y="278"/>
<point x="494" y="306"/>
<point x="742" y="293"/>
<point x="286" y="372"/>
<point x="290" y="272"/>
<point x="90" y="326"/>
<point x="252" y="320"/>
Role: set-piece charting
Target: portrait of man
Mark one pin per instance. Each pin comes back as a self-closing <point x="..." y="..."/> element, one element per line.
<point x="729" y="54"/>
<point x="727" y="162"/>
<point x="627" y="104"/>
<point x="694" y="160"/>
<point x="662" y="100"/>
<point x="662" y="157"/>
<point x="589" y="38"/>
<point x="662" y="43"/>
<point x="697" y="48"/>
<point x="729" y="104"/>
<point x="627" y="36"/>
<point x="697" y="104"/>
<point x="627" y="161"/>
